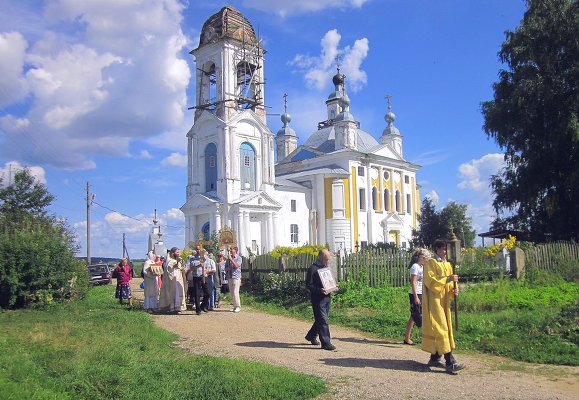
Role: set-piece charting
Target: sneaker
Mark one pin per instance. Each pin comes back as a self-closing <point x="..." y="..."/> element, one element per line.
<point x="454" y="368"/>
<point x="313" y="341"/>
<point x="435" y="363"/>
<point x="236" y="309"/>
<point x="329" y="347"/>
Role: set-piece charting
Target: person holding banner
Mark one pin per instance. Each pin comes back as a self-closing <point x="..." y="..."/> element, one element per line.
<point x="437" y="290"/>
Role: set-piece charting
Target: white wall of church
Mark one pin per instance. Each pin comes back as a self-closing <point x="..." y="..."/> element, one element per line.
<point x="287" y="218"/>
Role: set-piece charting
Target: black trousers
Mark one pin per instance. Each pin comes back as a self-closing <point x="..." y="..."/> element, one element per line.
<point x="200" y="289"/>
<point x="320" y="328"/>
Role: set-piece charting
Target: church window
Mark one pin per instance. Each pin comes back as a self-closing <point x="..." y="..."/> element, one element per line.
<point x="362" y="199"/>
<point x="375" y="198"/>
<point x="386" y="175"/>
<point x="293" y="206"/>
<point x="406" y="179"/>
<point x="208" y="87"/>
<point x="246" y="85"/>
<point x="386" y="200"/>
<point x="248" y="167"/>
<point x="360" y="171"/>
<point x="397" y="201"/>
<point x="205" y="231"/>
<point x="294" y="233"/>
<point x="408" y="204"/>
<point x="210" y="167"/>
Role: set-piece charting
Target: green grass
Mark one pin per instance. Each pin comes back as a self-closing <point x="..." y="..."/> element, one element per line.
<point x="97" y="349"/>
<point x="533" y="323"/>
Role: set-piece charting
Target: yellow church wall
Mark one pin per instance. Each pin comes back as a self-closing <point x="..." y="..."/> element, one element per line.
<point x="354" y="207"/>
<point x="328" y="193"/>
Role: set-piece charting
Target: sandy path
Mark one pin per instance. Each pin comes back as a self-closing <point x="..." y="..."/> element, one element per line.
<point x="362" y="367"/>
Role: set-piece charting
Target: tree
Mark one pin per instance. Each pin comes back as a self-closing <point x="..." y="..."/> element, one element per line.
<point x="37" y="263"/>
<point x="434" y="224"/>
<point x="534" y="118"/>
<point x="24" y="198"/>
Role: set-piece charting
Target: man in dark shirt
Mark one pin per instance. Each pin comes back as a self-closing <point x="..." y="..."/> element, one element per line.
<point x="321" y="300"/>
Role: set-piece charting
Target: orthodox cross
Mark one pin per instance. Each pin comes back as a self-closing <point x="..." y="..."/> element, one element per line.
<point x="338" y="59"/>
<point x="285" y="103"/>
<point x="201" y="242"/>
<point x="388" y="97"/>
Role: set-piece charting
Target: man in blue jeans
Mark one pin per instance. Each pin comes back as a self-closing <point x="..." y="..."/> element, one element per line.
<point x="321" y="301"/>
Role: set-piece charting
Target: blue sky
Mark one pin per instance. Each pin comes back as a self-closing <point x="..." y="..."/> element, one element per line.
<point x="98" y="91"/>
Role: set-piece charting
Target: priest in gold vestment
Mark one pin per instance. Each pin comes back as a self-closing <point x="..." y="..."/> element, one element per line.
<point x="437" y="336"/>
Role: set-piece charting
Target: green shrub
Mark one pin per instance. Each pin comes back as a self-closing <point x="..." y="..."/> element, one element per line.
<point x="292" y="251"/>
<point x="38" y="266"/>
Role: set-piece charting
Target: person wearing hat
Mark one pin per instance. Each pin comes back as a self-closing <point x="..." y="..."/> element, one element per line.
<point x="151" y="282"/>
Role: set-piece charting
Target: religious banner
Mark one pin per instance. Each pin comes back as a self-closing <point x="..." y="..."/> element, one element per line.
<point x="226" y="238"/>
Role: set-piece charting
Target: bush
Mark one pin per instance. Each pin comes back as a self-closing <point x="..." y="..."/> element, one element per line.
<point x="292" y="251"/>
<point x="38" y="265"/>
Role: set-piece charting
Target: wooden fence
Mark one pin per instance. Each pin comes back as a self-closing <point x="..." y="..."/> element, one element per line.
<point x="550" y="255"/>
<point x="378" y="267"/>
<point x="296" y="266"/>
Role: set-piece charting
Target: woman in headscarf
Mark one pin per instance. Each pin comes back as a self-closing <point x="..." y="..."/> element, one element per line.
<point x="151" y="281"/>
<point x="172" y="297"/>
<point x="124" y="273"/>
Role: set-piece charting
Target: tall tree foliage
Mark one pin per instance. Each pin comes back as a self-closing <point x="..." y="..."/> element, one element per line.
<point x="534" y="118"/>
<point x="37" y="264"/>
<point x="436" y="224"/>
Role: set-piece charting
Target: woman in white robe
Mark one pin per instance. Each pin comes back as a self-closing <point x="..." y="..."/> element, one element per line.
<point x="151" y="277"/>
<point x="172" y="297"/>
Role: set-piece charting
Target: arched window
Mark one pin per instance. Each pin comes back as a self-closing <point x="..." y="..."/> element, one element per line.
<point x="375" y="198"/>
<point x="386" y="200"/>
<point x="247" y="166"/>
<point x="408" y="204"/>
<point x="246" y="83"/>
<point x="208" y="87"/>
<point x="210" y="167"/>
<point x="397" y="201"/>
<point x="205" y="231"/>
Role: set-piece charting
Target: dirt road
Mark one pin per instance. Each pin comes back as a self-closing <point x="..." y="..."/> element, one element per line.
<point x="362" y="367"/>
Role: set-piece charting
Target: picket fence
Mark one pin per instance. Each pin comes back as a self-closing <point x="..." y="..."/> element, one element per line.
<point x="376" y="267"/>
<point x="550" y="255"/>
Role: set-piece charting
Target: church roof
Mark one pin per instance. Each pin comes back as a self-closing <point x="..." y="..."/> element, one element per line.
<point x="324" y="140"/>
<point x="228" y="22"/>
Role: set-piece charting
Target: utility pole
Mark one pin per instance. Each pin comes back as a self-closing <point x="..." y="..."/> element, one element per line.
<point x="124" y="248"/>
<point x="88" y="224"/>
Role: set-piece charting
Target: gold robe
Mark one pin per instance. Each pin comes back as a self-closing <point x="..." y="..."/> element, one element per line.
<point x="436" y="320"/>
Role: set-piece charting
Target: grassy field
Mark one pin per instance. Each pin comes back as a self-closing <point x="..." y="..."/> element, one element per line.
<point x="96" y="349"/>
<point x="526" y="322"/>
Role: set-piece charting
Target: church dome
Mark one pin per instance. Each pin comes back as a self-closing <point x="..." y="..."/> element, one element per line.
<point x="339" y="79"/>
<point x="228" y="22"/>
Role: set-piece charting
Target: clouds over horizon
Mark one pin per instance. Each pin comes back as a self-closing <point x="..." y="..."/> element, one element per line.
<point x="285" y="8"/>
<point x="124" y="80"/>
<point x="12" y="167"/>
<point x="318" y="70"/>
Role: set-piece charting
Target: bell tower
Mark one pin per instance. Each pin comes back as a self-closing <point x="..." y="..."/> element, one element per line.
<point x="229" y="73"/>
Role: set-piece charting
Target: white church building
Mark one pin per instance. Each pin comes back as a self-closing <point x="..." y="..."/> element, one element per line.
<point x="341" y="187"/>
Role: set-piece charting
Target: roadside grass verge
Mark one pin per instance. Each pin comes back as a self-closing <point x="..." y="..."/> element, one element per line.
<point x="521" y="321"/>
<point x="97" y="349"/>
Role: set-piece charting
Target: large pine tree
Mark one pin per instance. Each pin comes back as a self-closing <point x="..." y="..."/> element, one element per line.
<point x="534" y="118"/>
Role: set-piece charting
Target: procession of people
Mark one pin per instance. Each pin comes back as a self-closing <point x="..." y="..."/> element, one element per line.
<point x="172" y="281"/>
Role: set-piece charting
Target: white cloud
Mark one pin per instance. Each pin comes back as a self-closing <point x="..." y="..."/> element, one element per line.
<point x="173" y="214"/>
<point x="433" y="196"/>
<point x="12" y="167"/>
<point x="285" y="8"/>
<point x="318" y="70"/>
<point x="13" y="86"/>
<point x="175" y="160"/>
<point x="144" y="154"/>
<point x="475" y="174"/>
<point x="124" y="79"/>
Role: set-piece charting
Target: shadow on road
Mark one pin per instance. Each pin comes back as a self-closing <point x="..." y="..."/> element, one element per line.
<point x="399" y="365"/>
<point x="277" y="345"/>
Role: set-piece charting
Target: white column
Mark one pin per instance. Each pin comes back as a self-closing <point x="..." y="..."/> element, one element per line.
<point x="320" y="205"/>
<point x="240" y="232"/>
<point x="217" y="220"/>
<point x="275" y="230"/>
<point x="192" y="229"/>
<point x="246" y="230"/>
<point x="370" y="206"/>
<point x="270" y="235"/>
